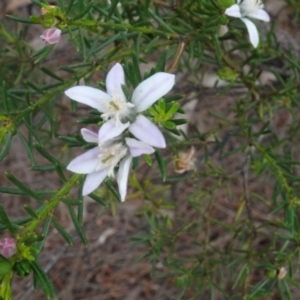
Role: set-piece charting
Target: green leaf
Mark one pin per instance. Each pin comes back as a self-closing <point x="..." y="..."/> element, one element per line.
<point x="161" y="165"/>
<point x="152" y="44"/>
<point x="13" y="191"/>
<point x="59" y="172"/>
<point x="23" y="187"/>
<point x="179" y="121"/>
<point x="43" y="53"/>
<point x="160" y="65"/>
<point x="135" y="163"/>
<point x="48" y="156"/>
<point x="71" y="202"/>
<point x="43" y="280"/>
<point x="6" y="146"/>
<point x="4" y="97"/>
<point x="171" y="112"/>
<point x="77" y="225"/>
<point x="160" y="21"/>
<point x="43" y="168"/>
<point x="60" y="4"/>
<point x="80" y="206"/>
<point x="169" y="124"/>
<point x="22" y="20"/>
<point x="27" y="147"/>
<point x="112" y="189"/>
<point x="82" y="44"/>
<point x="98" y="199"/>
<point x="93" y="47"/>
<point x="30" y="211"/>
<point x="50" y="73"/>
<point x="63" y="232"/>
<point x="113" y="6"/>
<point x="39" y="245"/>
<point x="136" y="67"/>
<point x="84" y="12"/>
<point x="148" y="159"/>
<point x="5" y="220"/>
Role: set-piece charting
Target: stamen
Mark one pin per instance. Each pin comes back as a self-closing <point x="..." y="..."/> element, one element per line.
<point x="118" y="108"/>
<point x="248" y="6"/>
<point x="114" y="105"/>
<point x="105" y="160"/>
<point x="110" y="155"/>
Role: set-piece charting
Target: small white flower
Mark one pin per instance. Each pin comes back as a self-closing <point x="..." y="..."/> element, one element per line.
<point x="120" y="114"/>
<point x="101" y="161"/>
<point x="249" y="8"/>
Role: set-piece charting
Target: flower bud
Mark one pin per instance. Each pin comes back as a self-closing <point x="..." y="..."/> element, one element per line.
<point x="8" y="247"/>
<point x="227" y="74"/>
<point x="51" y="36"/>
<point x="22" y="268"/>
<point x="271" y="273"/>
<point x="45" y="10"/>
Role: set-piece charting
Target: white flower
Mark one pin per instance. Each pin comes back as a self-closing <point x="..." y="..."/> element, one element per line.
<point x="121" y="114"/>
<point x="101" y="161"/>
<point x="252" y="9"/>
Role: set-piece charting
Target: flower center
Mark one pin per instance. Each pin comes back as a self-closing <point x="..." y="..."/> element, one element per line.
<point x="248" y="6"/>
<point x="118" y="108"/>
<point x="110" y="155"/>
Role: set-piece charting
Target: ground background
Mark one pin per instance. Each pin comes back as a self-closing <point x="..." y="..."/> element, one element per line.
<point x="108" y="268"/>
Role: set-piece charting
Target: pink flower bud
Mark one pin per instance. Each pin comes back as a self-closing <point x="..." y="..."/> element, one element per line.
<point x="8" y="247"/>
<point x="51" y="36"/>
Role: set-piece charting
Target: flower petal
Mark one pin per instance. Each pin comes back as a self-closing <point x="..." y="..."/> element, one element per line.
<point x="93" y="180"/>
<point x="144" y="130"/>
<point x="151" y="90"/>
<point x="233" y="11"/>
<point x="89" y="96"/>
<point x="85" y="163"/>
<point x="114" y="80"/>
<point x="259" y="14"/>
<point x="110" y="130"/>
<point x="252" y="31"/>
<point x="137" y="148"/>
<point x="122" y="176"/>
<point x="89" y="136"/>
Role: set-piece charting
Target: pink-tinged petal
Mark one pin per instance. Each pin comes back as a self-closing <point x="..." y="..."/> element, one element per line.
<point x="89" y="136"/>
<point x="110" y="130"/>
<point x="233" y="11"/>
<point x="114" y="80"/>
<point x="252" y="31"/>
<point x="89" y="96"/>
<point x="51" y="36"/>
<point x="137" y="148"/>
<point x="85" y="163"/>
<point x="93" y="180"/>
<point x="8" y="247"/>
<point x="122" y="176"/>
<point x="259" y="14"/>
<point x="145" y="131"/>
<point x="151" y="90"/>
